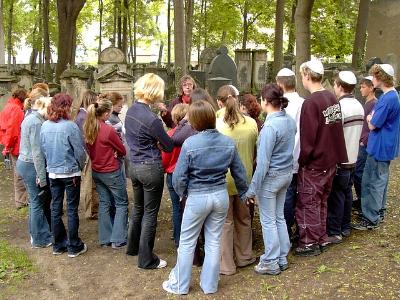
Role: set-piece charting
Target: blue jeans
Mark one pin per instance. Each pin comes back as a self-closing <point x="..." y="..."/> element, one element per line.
<point x="148" y="183"/>
<point x="271" y="201"/>
<point x="290" y="204"/>
<point x="340" y="202"/>
<point x="208" y="207"/>
<point x="374" y="186"/>
<point x="71" y="186"/>
<point x="358" y="173"/>
<point x="38" y="225"/>
<point x="176" y="209"/>
<point x="111" y="188"/>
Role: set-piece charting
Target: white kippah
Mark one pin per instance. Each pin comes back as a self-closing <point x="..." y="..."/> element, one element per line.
<point x="285" y="72"/>
<point x="348" y="77"/>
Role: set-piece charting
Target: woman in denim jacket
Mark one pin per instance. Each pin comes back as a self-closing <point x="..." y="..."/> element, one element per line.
<point x="202" y="177"/>
<point x="271" y="179"/>
<point x="31" y="166"/>
<point x="63" y="149"/>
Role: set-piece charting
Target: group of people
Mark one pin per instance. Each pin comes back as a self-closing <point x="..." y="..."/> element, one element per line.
<point x="219" y="159"/>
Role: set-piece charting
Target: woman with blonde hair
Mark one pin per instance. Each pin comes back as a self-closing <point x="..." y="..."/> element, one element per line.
<point x="145" y="136"/>
<point x="104" y="147"/>
<point x="236" y="242"/>
<point x="31" y="166"/>
<point x="35" y="94"/>
<point x="89" y="195"/>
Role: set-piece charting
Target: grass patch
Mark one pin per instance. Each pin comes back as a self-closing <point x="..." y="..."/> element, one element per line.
<point x="323" y="269"/>
<point x="15" y="264"/>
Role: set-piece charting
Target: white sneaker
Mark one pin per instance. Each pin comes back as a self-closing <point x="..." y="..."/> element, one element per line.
<point x="72" y="255"/>
<point x="165" y="286"/>
<point x="161" y="264"/>
<point x="42" y="246"/>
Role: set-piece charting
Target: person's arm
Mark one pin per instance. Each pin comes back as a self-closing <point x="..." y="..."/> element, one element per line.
<point x="182" y="132"/>
<point x="264" y="153"/>
<point x="12" y="130"/>
<point x="308" y="132"/>
<point x="180" y="177"/>
<point x="116" y="143"/>
<point x="379" y="116"/>
<point x="76" y="143"/>
<point x="158" y="132"/>
<point x="238" y="173"/>
<point x="37" y="154"/>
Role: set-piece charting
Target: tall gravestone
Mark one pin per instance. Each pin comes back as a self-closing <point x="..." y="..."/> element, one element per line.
<point x="259" y="74"/>
<point x="243" y="59"/>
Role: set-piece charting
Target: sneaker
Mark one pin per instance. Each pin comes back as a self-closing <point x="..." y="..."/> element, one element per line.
<point x="324" y="246"/>
<point x="346" y="233"/>
<point x="381" y="219"/>
<point x="84" y="249"/>
<point x="105" y="245"/>
<point x="161" y="264"/>
<point x="59" y="252"/>
<point x="284" y="267"/>
<point x="308" y="250"/>
<point x="42" y="246"/>
<point x="264" y="269"/>
<point x="167" y="288"/>
<point x="335" y="239"/>
<point x="365" y="225"/>
<point x="117" y="246"/>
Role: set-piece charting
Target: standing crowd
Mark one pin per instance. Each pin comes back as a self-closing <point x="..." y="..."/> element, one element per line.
<point x="298" y="167"/>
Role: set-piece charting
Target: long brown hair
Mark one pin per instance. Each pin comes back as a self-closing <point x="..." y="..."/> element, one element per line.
<point x="226" y="94"/>
<point x="91" y="126"/>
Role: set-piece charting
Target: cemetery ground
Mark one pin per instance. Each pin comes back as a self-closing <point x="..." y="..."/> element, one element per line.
<point x="364" y="266"/>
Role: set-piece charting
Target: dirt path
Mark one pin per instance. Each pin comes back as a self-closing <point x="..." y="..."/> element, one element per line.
<point x="364" y="266"/>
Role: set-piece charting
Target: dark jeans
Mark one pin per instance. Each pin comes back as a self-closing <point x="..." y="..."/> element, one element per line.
<point x="290" y="205"/>
<point x="62" y="241"/>
<point x="358" y="173"/>
<point x="340" y="202"/>
<point x="148" y="184"/>
<point x="176" y="210"/>
<point x="313" y="187"/>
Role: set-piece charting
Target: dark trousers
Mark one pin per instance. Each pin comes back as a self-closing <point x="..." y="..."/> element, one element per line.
<point x="358" y="173"/>
<point x="71" y="186"/>
<point x="313" y="187"/>
<point x="340" y="202"/>
<point x="290" y="205"/>
<point x="148" y="184"/>
<point x="177" y="211"/>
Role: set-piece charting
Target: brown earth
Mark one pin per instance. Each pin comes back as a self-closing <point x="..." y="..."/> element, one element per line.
<point x="364" y="266"/>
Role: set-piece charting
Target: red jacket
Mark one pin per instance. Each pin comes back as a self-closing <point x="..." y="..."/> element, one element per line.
<point x="10" y="126"/>
<point x="169" y="159"/>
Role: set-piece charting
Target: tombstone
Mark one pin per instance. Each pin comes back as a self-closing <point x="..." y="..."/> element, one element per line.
<point x="244" y="69"/>
<point x="213" y="84"/>
<point x="206" y="57"/>
<point x="137" y="70"/>
<point x="199" y="77"/>
<point x="8" y="81"/>
<point x="259" y="74"/>
<point x="222" y="66"/>
<point x="289" y="60"/>
<point x="4" y="96"/>
<point x="25" y="77"/>
<point x="110" y="57"/>
<point x="74" y="83"/>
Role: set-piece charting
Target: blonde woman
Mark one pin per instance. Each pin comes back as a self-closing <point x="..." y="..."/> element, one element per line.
<point x="104" y="147"/>
<point x="145" y="136"/>
<point x="35" y="94"/>
<point x="32" y="168"/>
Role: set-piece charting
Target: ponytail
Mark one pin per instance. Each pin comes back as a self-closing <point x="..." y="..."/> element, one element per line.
<point x="91" y="126"/>
<point x="233" y="114"/>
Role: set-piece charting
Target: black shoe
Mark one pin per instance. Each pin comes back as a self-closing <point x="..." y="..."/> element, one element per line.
<point x="308" y="250"/>
<point x="346" y="233"/>
<point x="365" y="225"/>
<point x="324" y="246"/>
<point x="284" y="267"/>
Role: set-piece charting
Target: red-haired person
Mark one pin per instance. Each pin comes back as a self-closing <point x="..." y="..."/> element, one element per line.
<point x="65" y="155"/>
<point x="250" y="107"/>
<point x="10" y="135"/>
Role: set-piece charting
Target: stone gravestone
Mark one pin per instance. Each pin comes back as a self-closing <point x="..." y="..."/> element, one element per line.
<point x="112" y="56"/>
<point x="25" y="78"/>
<point x="206" y="57"/>
<point x="215" y="83"/>
<point x="222" y="66"/>
<point x="7" y="80"/>
<point x="74" y="83"/>
<point x="244" y="69"/>
<point x="259" y="74"/>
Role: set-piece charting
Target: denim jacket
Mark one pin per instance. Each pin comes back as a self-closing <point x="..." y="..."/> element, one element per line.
<point x="204" y="161"/>
<point x="274" y="149"/>
<point x="29" y="149"/>
<point x="62" y="146"/>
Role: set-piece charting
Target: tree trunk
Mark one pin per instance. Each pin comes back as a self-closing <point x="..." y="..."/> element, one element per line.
<point x="278" y="42"/>
<point x="189" y="29"/>
<point x="130" y="34"/>
<point x="119" y="25"/>
<point x="245" y="25"/>
<point x="2" y="40"/>
<point x="46" y="40"/>
<point x="169" y="33"/>
<point x="114" y="23"/>
<point x="125" y="29"/>
<point x="303" y="36"/>
<point x="205" y="24"/>
<point x="361" y="34"/>
<point x="40" y="40"/>
<point x="34" y="53"/>
<point x="9" y="34"/>
<point x="291" y="40"/>
<point x="160" y="54"/>
<point x="101" y="7"/>
<point x="68" y="12"/>
<point x="179" y="39"/>
<point x="134" y="30"/>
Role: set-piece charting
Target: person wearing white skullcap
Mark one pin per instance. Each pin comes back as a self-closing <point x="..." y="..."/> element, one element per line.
<point x="368" y="93"/>
<point x="341" y="197"/>
<point x="322" y="147"/>
<point x="286" y="79"/>
<point x="383" y="147"/>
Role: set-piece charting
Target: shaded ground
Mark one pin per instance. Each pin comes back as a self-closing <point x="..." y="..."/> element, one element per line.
<point x="364" y="266"/>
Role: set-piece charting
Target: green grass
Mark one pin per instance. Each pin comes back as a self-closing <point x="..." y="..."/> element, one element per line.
<point x="15" y="264"/>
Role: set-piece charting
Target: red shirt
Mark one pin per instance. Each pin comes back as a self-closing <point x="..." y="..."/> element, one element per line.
<point x="105" y="148"/>
<point x="10" y="125"/>
<point x="169" y="159"/>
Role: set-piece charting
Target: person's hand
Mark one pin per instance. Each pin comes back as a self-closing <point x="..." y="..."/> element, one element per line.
<point x="161" y="106"/>
<point x="159" y="146"/>
<point x="250" y="201"/>
<point x="369" y="117"/>
<point x="5" y="152"/>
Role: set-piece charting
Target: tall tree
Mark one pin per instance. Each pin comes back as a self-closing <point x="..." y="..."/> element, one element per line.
<point x="9" y="33"/>
<point x="101" y="8"/>
<point x="189" y="28"/>
<point x="303" y="36"/>
<point x="46" y="40"/>
<point x="68" y="12"/>
<point x="278" y="42"/>
<point x="169" y="33"/>
<point x="179" y="38"/>
<point x="251" y="11"/>
<point x="291" y="39"/>
<point x="361" y="34"/>
<point x="2" y="40"/>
